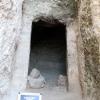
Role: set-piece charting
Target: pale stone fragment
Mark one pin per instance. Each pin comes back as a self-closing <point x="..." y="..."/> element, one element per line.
<point x="36" y="80"/>
<point x="62" y="80"/>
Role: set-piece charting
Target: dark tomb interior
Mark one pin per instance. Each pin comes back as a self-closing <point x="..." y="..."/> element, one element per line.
<point x="48" y="49"/>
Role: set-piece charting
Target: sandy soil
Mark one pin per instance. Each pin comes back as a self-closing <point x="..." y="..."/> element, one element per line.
<point x="56" y="93"/>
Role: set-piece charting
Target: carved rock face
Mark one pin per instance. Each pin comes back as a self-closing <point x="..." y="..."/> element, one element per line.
<point x="52" y="9"/>
<point x="10" y="25"/>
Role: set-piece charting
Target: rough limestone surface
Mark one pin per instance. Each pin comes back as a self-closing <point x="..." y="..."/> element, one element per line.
<point x="34" y="10"/>
<point x="10" y="25"/>
<point x="89" y="48"/>
<point x="16" y="17"/>
<point x="63" y="10"/>
<point x="36" y="80"/>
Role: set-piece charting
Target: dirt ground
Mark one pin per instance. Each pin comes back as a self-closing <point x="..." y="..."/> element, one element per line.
<point x="56" y="93"/>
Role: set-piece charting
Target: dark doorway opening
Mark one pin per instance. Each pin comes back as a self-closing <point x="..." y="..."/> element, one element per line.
<point x="48" y="49"/>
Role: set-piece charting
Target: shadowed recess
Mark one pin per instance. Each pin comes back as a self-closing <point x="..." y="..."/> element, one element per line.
<point x="48" y="49"/>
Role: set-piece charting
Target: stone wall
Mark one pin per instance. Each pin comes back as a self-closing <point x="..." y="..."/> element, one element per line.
<point x="88" y="48"/>
<point x="64" y="10"/>
<point x="10" y="28"/>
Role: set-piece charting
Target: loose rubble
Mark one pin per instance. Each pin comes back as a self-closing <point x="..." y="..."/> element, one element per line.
<point x="36" y="80"/>
<point x="62" y="80"/>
